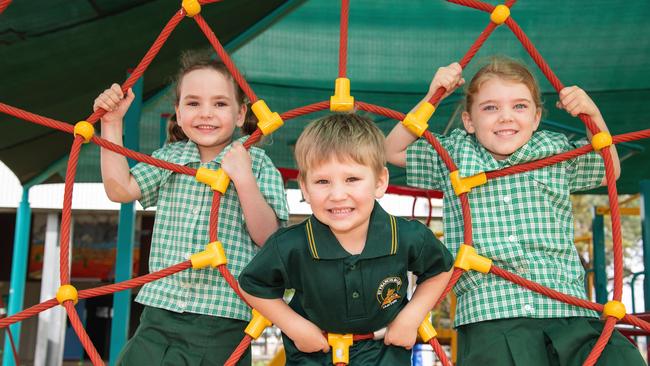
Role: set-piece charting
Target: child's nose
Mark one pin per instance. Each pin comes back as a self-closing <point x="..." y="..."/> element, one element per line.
<point x="338" y="192"/>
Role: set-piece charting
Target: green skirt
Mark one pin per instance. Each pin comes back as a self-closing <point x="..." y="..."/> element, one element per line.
<point x="168" y="338"/>
<point x="543" y="342"/>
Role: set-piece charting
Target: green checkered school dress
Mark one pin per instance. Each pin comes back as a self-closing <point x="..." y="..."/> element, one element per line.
<point x="181" y="229"/>
<point x="523" y="222"/>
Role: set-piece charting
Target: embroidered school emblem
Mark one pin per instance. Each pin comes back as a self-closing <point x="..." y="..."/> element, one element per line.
<point x="388" y="291"/>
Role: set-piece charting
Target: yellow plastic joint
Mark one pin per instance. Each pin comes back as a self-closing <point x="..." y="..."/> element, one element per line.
<point x="218" y="180"/>
<point x="191" y="7"/>
<point x="267" y="121"/>
<point x="66" y="293"/>
<point x="467" y="259"/>
<point x="340" y="344"/>
<point x="341" y="101"/>
<point x="426" y="330"/>
<point x="417" y="122"/>
<point x="500" y="14"/>
<point x="464" y="185"/>
<point x="213" y="256"/>
<point x="84" y="129"/>
<point x="601" y="140"/>
<point x="615" y="309"/>
<point x="257" y="325"/>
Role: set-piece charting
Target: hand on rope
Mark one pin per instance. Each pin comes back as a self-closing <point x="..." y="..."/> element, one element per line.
<point x="115" y="103"/>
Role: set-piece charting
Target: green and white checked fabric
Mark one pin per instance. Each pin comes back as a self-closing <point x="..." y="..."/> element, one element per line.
<point x="523" y="222"/>
<point x="181" y="229"/>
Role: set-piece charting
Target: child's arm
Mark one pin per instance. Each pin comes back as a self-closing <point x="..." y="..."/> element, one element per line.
<point x="400" y="138"/>
<point x="402" y="331"/>
<point x="575" y="101"/>
<point x="119" y="184"/>
<point x="305" y="334"/>
<point x="258" y="214"/>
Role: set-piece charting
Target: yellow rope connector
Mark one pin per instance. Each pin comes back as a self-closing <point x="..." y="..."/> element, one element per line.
<point x="417" y="122"/>
<point x="341" y="101"/>
<point x="257" y="325"/>
<point x="218" y="180"/>
<point x="85" y="129"/>
<point x="426" y="330"/>
<point x="615" y="309"/>
<point x="65" y="293"/>
<point x="340" y="344"/>
<point x="467" y="259"/>
<point x="464" y="185"/>
<point x="213" y="256"/>
<point x="268" y="121"/>
<point x="500" y="14"/>
<point x="601" y="140"/>
<point x="191" y="7"/>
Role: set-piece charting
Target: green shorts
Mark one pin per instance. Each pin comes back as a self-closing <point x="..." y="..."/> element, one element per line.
<point x="168" y="338"/>
<point x="543" y="342"/>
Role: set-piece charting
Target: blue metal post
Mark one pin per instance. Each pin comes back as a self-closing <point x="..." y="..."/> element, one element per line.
<point x="125" y="237"/>
<point x="600" y="274"/>
<point x="18" y="273"/>
<point x="644" y="189"/>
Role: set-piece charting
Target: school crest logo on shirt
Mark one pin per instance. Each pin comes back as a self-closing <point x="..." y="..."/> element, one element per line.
<point x="388" y="291"/>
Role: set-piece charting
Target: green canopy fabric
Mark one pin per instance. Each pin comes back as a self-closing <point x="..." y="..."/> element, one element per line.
<point x="394" y="50"/>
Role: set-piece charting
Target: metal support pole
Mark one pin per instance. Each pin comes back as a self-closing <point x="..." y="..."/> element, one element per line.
<point x="644" y="189"/>
<point x="18" y="273"/>
<point x="600" y="274"/>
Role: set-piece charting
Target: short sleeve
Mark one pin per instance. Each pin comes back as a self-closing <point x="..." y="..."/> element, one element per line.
<point x="272" y="188"/>
<point x="265" y="276"/>
<point x="149" y="178"/>
<point x="427" y="255"/>
<point x="586" y="171"/>
<point x="423" y="166"/>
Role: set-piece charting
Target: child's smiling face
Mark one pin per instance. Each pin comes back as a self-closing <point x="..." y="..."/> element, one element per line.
<point x="503" y="116"/>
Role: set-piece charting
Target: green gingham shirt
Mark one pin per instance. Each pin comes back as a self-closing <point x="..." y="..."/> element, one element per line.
<point x="182" y="229"/>
<point x="523" y="222"/>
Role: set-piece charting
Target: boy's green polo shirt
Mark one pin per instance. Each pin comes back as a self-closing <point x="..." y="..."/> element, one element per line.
<point x="181" y="229"/>
<point x="340" y="292"/>
<point x="523" y="222"/>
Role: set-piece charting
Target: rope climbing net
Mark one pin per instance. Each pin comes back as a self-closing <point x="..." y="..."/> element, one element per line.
<point x="417" y="122"/>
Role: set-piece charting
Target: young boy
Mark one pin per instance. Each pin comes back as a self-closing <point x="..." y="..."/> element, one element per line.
<point x="523" y="222"/>
<point x="348" y="262"/>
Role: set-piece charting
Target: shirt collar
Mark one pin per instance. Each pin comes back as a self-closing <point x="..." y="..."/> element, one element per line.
<point x="382" y="238"/>
<point x="190" y="153"/>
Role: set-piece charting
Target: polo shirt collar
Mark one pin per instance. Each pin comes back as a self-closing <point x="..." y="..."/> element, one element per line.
<point x="190" y="153"/>
<point x="382" y="238"/>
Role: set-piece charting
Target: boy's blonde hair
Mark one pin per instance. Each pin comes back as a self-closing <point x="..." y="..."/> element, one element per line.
<point x="506" y="69"/>
<point x="344" y="136"/>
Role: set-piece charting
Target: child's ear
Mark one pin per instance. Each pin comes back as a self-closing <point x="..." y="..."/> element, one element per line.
<point x="178" y="116"/>
<point x="467" y="122"/>
<point x="538" y="118"/>
<point x="303" y="189"/>
<point x="241" y="116"/>
<point x="382" y="183"/>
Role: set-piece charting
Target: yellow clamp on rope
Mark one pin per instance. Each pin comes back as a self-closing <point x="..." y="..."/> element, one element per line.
<point x="218" y="180"/>
<point x="341" y="101"/>
<point x="213" y="256"/>
<point x="426" y="330"/>
<point x="601" y="140"/>
<point x="65" y="293"/>
<point x="464" y="185"/>
<point x="467" y="259"/>
<point x="615" y="309"/>
<point x="268" y="121"/>
<point x="500" y="14"/>
<point x="257" y="325"/>
<point x="191" y="7"/>
<point x="416" y="122"/>
<point x="85" y="129"/>
<point x="340" y="344"/>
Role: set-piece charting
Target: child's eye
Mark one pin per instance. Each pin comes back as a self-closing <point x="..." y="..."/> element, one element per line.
<point x="192" y="104"/>
<point x="520" y="106"/>
<point x="322" y="181"/>
<point x="352" y="179"/>
<point x="221" y="104"/>
<point x="490" y="108"/>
